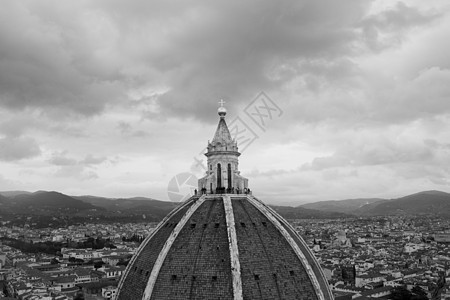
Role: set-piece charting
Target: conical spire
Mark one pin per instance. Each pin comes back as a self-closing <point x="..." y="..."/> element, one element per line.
<point x="222" y="140"/>
<point x="222" y="135"/>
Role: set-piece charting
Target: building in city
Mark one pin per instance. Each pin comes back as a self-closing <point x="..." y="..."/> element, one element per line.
<point x="223" y="243"/>
<point x="341" y="240"/>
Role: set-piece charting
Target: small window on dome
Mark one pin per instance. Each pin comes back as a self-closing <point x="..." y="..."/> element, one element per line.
<point x="214" y="278"/>
<point x="256" y="277"/>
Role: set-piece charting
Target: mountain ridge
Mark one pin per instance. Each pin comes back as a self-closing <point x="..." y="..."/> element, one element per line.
<point x="48" y="202"/>
<point x="344" y="206"/>
<point x="52" y="202"/>
<point x="424" y="202"/>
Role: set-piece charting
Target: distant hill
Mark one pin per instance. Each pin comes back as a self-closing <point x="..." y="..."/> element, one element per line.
<point x="126" y="203"/>
<point x="154" y="209"/>
<point x="366" y="209"/>
<point x="47" y="201"/>
<point x="46" y="206"/>
<point x="3" y="198"/>
<point x="343" y="206"/>
<point x="428" y="202"/>
<point x="299" y="212"/>
<point x="4" y="203"/>
<point x="13" y="193"/>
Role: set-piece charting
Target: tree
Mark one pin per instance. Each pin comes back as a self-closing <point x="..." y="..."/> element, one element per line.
<point x="79" y="296"/>
<point x="401" y="293"/>
<point x="123" y="262"/>
<point x="76" y="260"/>
<point x="418" y="293"/>
<point x="98" y="264"/>
<point x="54" y="261"/>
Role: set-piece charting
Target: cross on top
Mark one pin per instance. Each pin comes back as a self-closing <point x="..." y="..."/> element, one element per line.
<point x="221" y="102"/>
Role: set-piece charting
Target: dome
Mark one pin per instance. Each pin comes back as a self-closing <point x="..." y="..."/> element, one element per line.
<point x="223" y="247"/>
<point x="223" y="244"/>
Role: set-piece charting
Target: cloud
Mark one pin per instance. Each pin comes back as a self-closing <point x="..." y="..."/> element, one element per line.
<point x="70" y="167"/>
<point x="387" y="28"/>
<point x="13" y="149"/>
<point x="215" y="57"/>
<point x="362" y="85"/>
<point x="183" y="58"/>
<point x="76" y="171"/>
<point x="93" y="160"/>
<point x="7" y="184"/>
<point x="124" y="127"/>
<point x="191" y="54"/>
<point x="43" y="64"/>
<point x="365" y="147"/>
<point x="403" y="100"/>
<point x="17" y="125"/>
<point x="60" y="159"/>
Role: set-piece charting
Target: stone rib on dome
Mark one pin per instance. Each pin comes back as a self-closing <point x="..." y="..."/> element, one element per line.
<point x="224" y="247"/>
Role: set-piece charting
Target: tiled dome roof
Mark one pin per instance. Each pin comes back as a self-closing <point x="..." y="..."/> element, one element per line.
<point x="223" y="247"/>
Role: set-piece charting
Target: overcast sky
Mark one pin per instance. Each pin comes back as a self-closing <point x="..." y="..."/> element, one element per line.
<point x="114" y="98"/>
